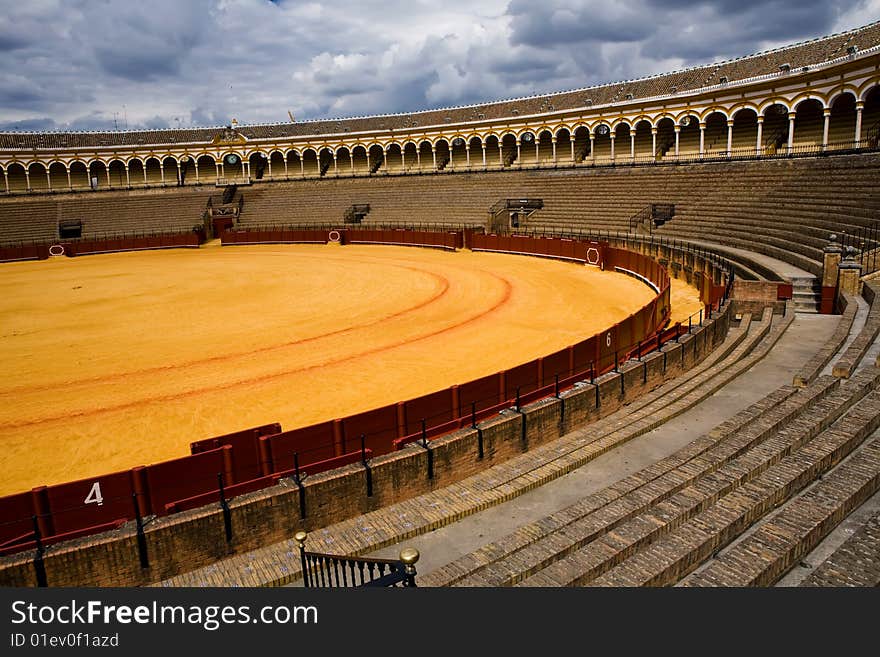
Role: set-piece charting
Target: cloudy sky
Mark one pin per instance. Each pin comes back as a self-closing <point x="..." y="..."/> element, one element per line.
<point x="99" y="64"/>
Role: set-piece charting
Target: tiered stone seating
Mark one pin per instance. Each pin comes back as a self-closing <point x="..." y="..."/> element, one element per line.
<point x="113" y="213"/>
<point x="856" y="562"/>
<point x="785" y="209"/>
<point x="866" y="337"/>
<point x="26" y="221"/>
<point x="781" y="541"/>
<point x="668" y="526"/>
<point x="704" y="533"/>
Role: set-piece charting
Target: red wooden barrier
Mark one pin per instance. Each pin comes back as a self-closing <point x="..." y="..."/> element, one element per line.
<point x="188" y="476"/>
<point x="254" y="458"/>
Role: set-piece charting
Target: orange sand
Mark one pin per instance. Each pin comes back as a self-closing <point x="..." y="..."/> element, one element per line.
<point x="118" y="360"/>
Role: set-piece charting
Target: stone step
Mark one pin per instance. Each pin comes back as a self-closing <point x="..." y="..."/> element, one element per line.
<point x="676" y="555"/>
<point x="536" y="546"/>
<point x="604" y="552"/>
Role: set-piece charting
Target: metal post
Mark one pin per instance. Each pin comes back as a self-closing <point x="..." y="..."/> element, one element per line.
<point x="298" y="481"/>
<point x="430" y="454"/>
<point x="141" y="537"/>
<point x="409" y="557"/>
<point x="300" y="538"/>
<point x="39" y="566"/>
<point x="227" y="517"/>
<point x="367" y="470"/>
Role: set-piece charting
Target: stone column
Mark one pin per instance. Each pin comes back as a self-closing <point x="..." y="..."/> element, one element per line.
<point x="849" y="272"/>
<point x="791" y="118"/>
<point x="571" y="141"/>
<point x="48" y="179"/>
<point x="632" y="146"/>
<point x="702" y="138"/>
<point x="66" y="169"/>
<point x="758" y="149"/>
<point x="484" y="154"/>
<point x="729" y="136"/>
<point x="433" y="154"/>
<point x="593" y="147"/>
<point x="518" y="152"/>
<point x="858" y="138"/>
<point x="677" y="134"/>
<point x="161" y="172"/>
<point x="826" y="117"/>
<point x="6" y="180"/>
<point x="653" y="143"/>
<point x="467" y="154"/>
<point x="831" y="261"/>
<point x="612" y="145"/>
<point x="127" y="177"/>
<point x="553" y="141"/>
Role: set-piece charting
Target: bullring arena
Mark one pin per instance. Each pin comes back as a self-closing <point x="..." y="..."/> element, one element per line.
<point x="232" y="337"/>
<point x="616" y="336"/>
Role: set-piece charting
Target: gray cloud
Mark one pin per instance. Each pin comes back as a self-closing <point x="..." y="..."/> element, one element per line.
<point x="88" y="64"/>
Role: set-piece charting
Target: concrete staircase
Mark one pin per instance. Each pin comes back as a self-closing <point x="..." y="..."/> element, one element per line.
<point x="806" y="294"/>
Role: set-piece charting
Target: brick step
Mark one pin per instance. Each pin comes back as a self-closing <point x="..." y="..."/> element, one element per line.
<point x="669" y="560"/>
<point x="607" y="551"/>
<point x="780" y="542"/>
<point x="857" y="561"/>
<point x="588" y="519"/>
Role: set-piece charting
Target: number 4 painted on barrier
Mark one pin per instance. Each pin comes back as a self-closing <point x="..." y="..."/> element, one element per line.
<point x="94" y="496"/>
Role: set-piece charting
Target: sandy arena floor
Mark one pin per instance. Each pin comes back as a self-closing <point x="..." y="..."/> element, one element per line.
<point x="113" y="361"/>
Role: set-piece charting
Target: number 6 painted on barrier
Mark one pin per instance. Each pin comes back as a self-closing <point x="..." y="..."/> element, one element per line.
<point x="94" y="496"/>
<point x="608" y="339"/>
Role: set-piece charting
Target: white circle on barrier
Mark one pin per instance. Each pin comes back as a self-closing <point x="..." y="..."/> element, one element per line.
<point x="593" y="256"/>
<point x="608" y="339"/>
<point x="333" y="236"/>
<point x="59" y="252"/>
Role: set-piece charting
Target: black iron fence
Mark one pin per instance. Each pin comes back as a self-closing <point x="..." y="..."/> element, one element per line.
<point x="866" y="241"/>
<point x="338" y="571"/>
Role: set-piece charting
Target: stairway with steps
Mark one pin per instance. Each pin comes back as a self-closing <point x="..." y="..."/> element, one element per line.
<point x="806" y="294"/>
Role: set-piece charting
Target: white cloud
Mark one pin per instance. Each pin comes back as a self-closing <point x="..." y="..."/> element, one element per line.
<point x="84" y="63"/>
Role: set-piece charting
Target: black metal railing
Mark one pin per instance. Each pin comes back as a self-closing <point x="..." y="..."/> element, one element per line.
<point x="866" y="241"/>
<point x="321" y="570"/>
